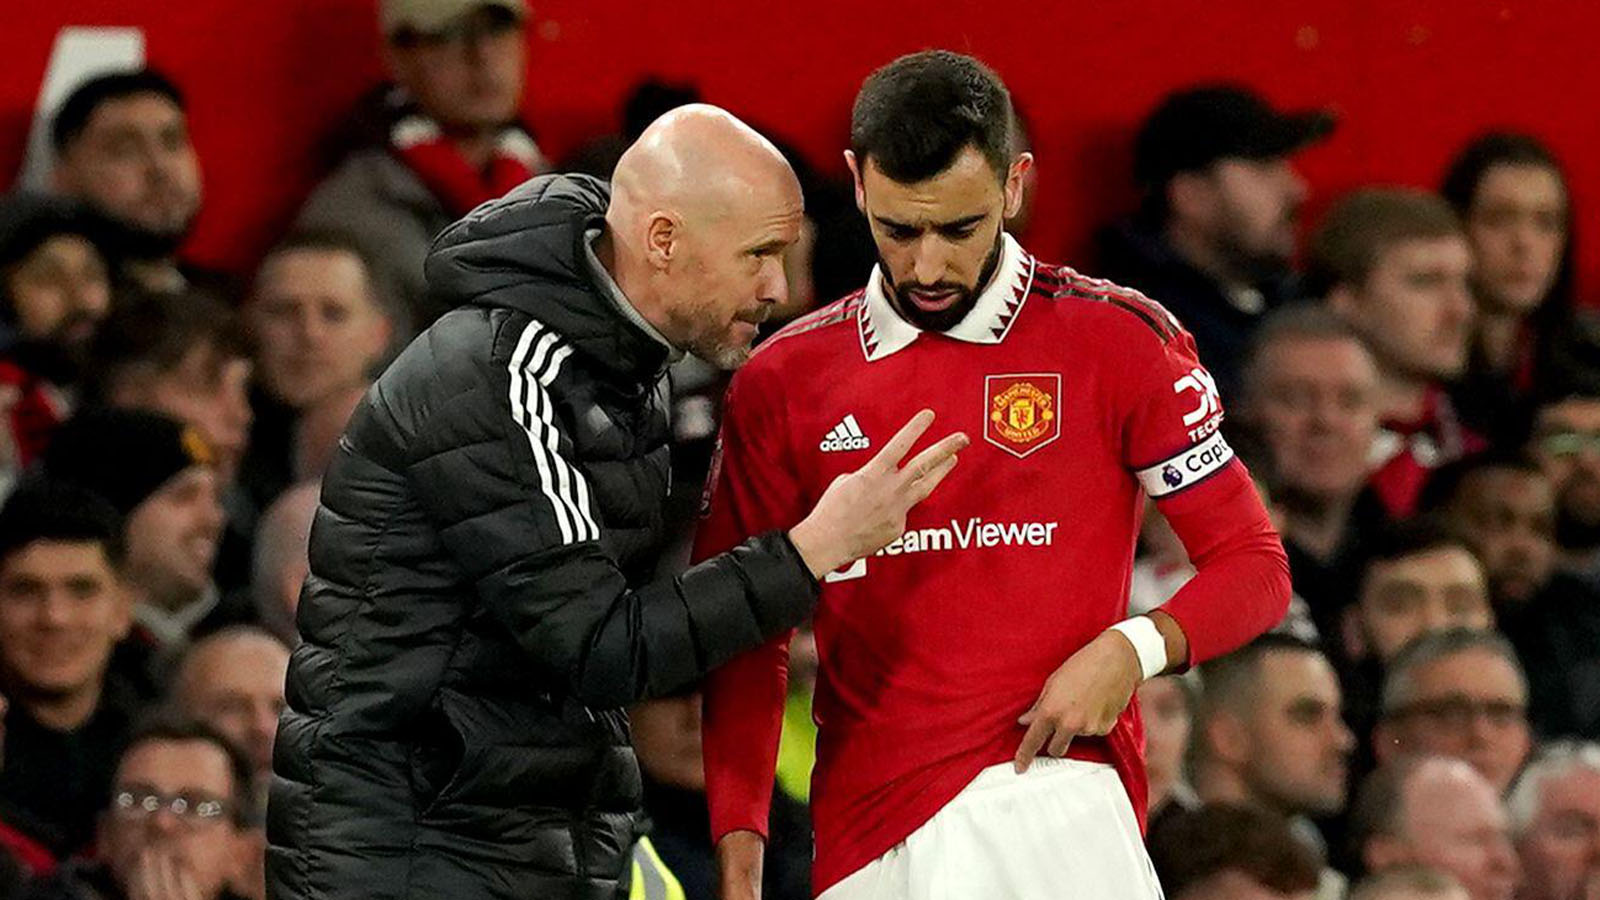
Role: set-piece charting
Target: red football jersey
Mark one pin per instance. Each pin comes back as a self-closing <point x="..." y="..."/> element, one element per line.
<point x="1080" y="398"/>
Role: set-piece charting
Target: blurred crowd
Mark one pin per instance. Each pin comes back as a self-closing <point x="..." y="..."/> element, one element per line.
<point x="1415" y="386"/>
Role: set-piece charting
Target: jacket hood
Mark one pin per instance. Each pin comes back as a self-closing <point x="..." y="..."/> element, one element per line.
<point x="525" y="251"/>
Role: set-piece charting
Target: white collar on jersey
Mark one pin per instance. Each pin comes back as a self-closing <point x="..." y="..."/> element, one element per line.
<point x="883" y="331"/>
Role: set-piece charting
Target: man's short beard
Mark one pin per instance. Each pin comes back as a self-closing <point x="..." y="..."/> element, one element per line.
<point x="944" y="319"/>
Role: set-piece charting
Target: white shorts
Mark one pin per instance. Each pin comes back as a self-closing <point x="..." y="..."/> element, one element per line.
<point x="1064" y="829"/>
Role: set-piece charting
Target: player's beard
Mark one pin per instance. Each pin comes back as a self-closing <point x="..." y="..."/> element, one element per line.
<point x="947" y="318"/>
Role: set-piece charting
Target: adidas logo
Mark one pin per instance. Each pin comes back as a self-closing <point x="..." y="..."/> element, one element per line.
<point x="845" y="436"/>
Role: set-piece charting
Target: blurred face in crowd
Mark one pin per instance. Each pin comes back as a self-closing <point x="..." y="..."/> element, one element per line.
<point x="1167" y="720"/>
<point x="59" y="292"/>
<point x="234" y="683"/>
<point x="666" y="736"/>
<point x="1415" y="308"/>
<point x="1291" y="744"/>
<point x="1566" y="445"/>
<point x="1518" y="227"/>
<point x="195" y="854"/>
<point x="1510" y="514"/>
<point x="317" y="324"/>
<point x="1246" y="208"/>
<point x="62" y="610"/>
<point x="1401" y="599"/>
<point x="1451" y="820"/>
<point x="938" y="240"/>
<point x="1471" y="706"/>
<point x="1232" y="884"/>
<point x="467" y="77"/>
<point x="208" y="389"/>
<point x="173" y="537"/>
<point x="134" y="163"/>
<point x="1315" y="401"/>
<point x="1560" y="848"/>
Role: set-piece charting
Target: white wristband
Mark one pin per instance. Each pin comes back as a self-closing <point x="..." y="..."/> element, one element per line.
<point x="1147" y="643"/>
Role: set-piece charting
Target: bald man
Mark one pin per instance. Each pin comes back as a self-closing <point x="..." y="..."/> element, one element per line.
<point x="478" y="608"/>
<point x="233" y="681"/>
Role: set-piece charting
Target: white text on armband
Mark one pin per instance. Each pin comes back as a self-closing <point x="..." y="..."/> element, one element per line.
<point x="1187" y="468"/>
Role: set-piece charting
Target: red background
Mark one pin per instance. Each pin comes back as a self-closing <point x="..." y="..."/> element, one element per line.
<point x="1411" y="79"/>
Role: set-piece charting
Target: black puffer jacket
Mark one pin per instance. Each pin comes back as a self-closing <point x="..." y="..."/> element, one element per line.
<point x="474" y="616"/>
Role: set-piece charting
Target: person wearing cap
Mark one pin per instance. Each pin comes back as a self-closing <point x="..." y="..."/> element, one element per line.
<point x="1215" y="233"/>
<point x="55" y="288"/>
<point x="445" y="138"/>
<point x="161" y="476"/>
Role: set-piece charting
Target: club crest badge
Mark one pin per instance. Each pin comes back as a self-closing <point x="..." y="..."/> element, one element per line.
<point x="1021" y="412"/>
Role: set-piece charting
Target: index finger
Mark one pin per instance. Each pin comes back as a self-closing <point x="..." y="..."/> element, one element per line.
<point x="889" y="457"/>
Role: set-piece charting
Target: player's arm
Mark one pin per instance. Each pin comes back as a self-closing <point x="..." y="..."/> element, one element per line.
<point x="1170" y="413"/>
<point x="753" y="484"/>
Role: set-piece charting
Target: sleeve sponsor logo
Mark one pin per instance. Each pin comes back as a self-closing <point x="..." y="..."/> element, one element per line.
<point x="1189" y="467"/>
<point x="1207" y="401"/>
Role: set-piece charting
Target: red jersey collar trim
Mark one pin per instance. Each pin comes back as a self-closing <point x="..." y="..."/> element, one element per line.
<point x="884" y="332"/>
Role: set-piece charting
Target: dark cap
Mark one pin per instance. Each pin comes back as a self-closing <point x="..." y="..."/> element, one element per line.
<point x="28" y="220"/>
<point x="1194" y="128"/>
<point x="124" y="455"/>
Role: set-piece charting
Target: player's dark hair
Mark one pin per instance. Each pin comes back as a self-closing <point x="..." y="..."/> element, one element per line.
<point x="75" y="112"/>
<point x="1190" y="848"/>
<point x="916" y="114"/>
<point x="45" y="509"/>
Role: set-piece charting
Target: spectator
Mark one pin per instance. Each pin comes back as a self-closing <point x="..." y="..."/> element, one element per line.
<point x="450" y="139"/>
<point x="233" y="681"/>
<point x="1555" y="816"/>
<point x="1394" y="264"/>
<point x="1215" y="235"/>
<point x="54" y="290"/>
<point x="184" y="357"/>
<point x="176" y="824"/>
<point x="1508" y="507"/>
<point x="160" y="476"/>
<point x="1410" y="883"/>
<point x="1458" y="693"/>
<point x="1310" y="396"/>
<point x="1419" y="578"/>
<point x="61" y="614"/>
<point x="1269" y="732"/>
<point x="1436" y="812"/>
<point x="319" y="332"/>
<point x="122" y="147"/>
<point x="1232" y="853"/>
<point x="280" y="564"/>
<point x="1167" y="704"/>
<point x="1566" y="445"/>
<point x="666" y="737"/>
<point x="1512" y="196"/>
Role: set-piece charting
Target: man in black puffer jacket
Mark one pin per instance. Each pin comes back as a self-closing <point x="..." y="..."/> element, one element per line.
<point x="477" y="609"/>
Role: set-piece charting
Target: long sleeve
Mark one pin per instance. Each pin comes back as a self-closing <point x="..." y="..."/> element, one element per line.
<point x="495" y="472"/>
<point x="753" y="489"/>
<point x="1172" y="416"/>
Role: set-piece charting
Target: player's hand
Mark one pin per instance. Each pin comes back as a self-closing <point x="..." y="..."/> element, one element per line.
<point x="1084" y="696"/>
<point x="739" y="856"/>
<point x="863" y="511"/>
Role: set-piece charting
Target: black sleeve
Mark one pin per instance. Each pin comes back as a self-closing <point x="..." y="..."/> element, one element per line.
<point x="493" y="469"/>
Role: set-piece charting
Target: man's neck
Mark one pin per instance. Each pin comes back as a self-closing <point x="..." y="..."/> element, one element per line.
<point x="1497" y="339"/>
<point x="1216" y="783"/>
<point x="1316" y="524"/>
<point x="1401" y="398"/>
<point x="633" y="284"/>
<point x="1202" y="253"/>
<point x="64" y="713"/>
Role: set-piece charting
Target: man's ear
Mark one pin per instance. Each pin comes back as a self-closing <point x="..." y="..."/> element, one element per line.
<point x="855" y="176"/>
<point x="661" y="236"/>
<point x="1228" y="738"/>
<point x="1017" y="182"/>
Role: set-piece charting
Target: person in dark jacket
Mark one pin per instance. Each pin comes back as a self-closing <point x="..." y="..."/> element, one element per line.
<point x="478" y="609"/>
